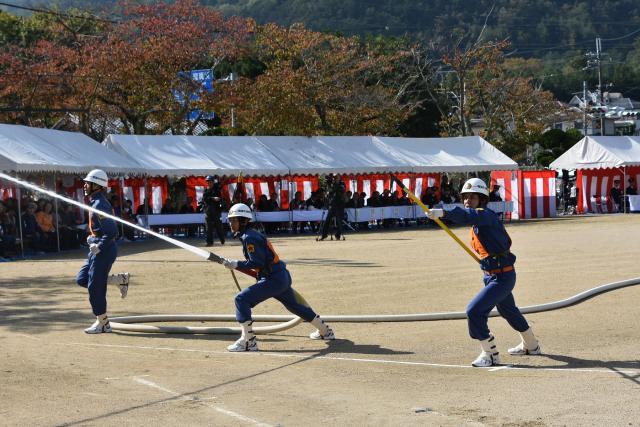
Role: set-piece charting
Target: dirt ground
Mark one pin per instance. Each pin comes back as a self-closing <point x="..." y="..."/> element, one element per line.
<point x="51" y="373"/>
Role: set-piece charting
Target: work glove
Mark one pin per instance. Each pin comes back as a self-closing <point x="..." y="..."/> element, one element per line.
<point x="94" y="248"/>
<point x="90" y="239"/>
<point x="435" y="213"/>
<point x="231" y="264"/>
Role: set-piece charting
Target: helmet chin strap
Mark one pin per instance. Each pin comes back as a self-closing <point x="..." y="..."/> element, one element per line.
<point x="93" y="188"/>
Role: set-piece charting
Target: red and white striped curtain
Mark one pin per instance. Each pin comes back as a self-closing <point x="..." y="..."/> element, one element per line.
<point x="133" y="189"/>
<point x="254" y="187"/>
<point x="533" y="193"/>
<point x="7" y="190"/>
<point x="369" y="183"/>
<point x="286" y="186"/>
<point x="594" y="186"/>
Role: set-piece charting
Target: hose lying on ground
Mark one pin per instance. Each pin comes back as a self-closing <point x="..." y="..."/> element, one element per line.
<point x="133" y="323"/>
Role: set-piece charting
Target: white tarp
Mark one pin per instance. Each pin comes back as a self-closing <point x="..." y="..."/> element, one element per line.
<point x="365" y="154"/>
<point x="600" y="152"/>
<point x="459" y="154"/>
<point x="180" y="155"/>
<point x="27" y="149"/>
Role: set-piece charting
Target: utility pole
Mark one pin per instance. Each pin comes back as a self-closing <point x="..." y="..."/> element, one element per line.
<point x="598" y="52"/>
<point x="594" y="60"/>
<point x="584" y="110"/>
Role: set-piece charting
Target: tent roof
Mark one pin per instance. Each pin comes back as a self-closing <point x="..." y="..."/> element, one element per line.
<point x="600" y="152"/>
<point x="460" y="154"/>
<point x="365" y="154"/>
<point x="27" y="149"/>
<point x="178" y="155"/>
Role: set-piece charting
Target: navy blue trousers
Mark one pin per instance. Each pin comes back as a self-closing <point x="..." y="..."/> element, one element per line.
<point x="497" y="292"/>
<point x="94" y="274"/>
<point x="277" y="286"/>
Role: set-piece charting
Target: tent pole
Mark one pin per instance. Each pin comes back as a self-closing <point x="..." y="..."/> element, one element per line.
<point x="19" y="198"/>
<point x="121" y="204"/>
<point x="624" y="190"/>
<point x="289" y="196"/>
<point x="55" y="207"/>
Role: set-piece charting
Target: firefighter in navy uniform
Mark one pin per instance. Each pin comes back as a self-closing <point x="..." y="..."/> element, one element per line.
<point x="94" y="274"/>
<point x="491" y="242"/>
<point x="212" y="206"/>
<point x="273" y="281"/>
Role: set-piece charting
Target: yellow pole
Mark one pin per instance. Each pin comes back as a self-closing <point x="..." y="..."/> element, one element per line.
<point x="437" y="220"/>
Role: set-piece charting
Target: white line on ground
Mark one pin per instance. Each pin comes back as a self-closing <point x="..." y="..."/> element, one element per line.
<point x="215" y="408"/>
<point x="613" y="370"/>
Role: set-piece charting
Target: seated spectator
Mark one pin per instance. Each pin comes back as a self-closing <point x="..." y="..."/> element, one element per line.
<point x="385" y="198"/>
<point x="616" y="195"/>
<point x="297" y="204"/>
<point x="44" y="218"/>
<point x="70" y="234"/>
<point x="251" y="203"/>
<point x="263" y="204"/>
<point x="631" y="190"/>
<point x="374" y="201"/>
<point x="144" y="208"/>
<point x="168" y="207"/>
<point x="351" y="202"/>
<point x="494" y="196"/>
<point x="7" y="239"/>
<point x="447" y="197"/>
<point x="127" y="214"/>
<point x="8" y="217"/>
<point x="187" y="206"/>
<point x="31" y="233"/>
<point x="429" y="198"/>
<point x="273" y="203"/>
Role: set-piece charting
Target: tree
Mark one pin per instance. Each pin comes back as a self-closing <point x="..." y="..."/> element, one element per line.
<point x="554" y="143"/>
<point x="317" y="83"/>
<point x="131" y="71"/>
<point x="512" y="110"/>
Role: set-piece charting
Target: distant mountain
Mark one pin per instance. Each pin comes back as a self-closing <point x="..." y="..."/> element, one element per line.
<point x="535" y="27"/>
<point x="558" y="31"/>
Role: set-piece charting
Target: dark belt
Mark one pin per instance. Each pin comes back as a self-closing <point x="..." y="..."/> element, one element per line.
<point x="498" y="270"/>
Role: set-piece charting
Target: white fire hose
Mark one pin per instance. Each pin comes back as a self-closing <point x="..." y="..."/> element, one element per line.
<point x="133" y="323"/>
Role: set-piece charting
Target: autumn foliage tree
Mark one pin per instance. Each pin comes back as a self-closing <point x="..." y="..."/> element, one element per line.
<point x="317" y="83"/>
<point x="511" y="109"/>
<point x="131" y="71"/>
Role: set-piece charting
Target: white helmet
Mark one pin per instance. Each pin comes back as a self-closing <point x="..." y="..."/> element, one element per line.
<point x="475" y="185"/>
<point x="97" y="176"/>
<point x="240" y="210"/>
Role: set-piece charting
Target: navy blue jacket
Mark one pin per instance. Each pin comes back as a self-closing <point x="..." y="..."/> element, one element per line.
<point x="103" y="229"/>
<point x="259" y="254"/>
<point x="488" y="237"/>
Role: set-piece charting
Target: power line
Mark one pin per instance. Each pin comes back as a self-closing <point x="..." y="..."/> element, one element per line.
<point x="61" y="14"/>
<point x="622" y="37"/>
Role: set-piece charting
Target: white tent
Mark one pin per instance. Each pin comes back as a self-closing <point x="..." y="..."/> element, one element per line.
<point x="365" y="154"/>
<point x="600" y="152"/>
<point x="179" y="155"/>
<point x="27" y="149"/>
<point x="461" y="154"/>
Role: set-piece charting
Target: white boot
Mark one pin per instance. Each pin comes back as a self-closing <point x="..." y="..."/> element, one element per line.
<point x="122" y="280"/>
<point x="528" y="346"/>
<point x="100" y="326"/>
<point x="247" y="341"/>
<point x="489" y="355"/>
<point x="324" y="332"/>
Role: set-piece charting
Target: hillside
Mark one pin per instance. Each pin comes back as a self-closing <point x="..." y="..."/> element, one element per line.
<point x="559" y="32"/>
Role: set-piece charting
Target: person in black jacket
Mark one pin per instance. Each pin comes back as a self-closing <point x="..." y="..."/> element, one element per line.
<point x="212" y="205"/>
<point x="337" y="204"/>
